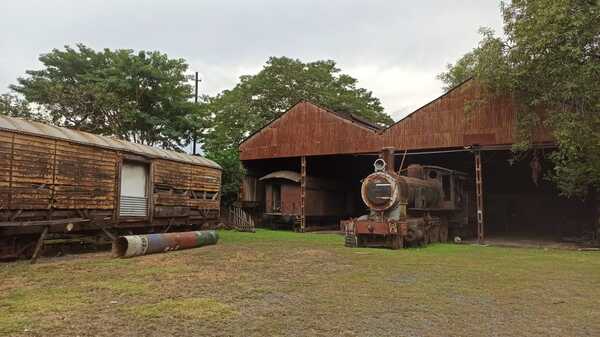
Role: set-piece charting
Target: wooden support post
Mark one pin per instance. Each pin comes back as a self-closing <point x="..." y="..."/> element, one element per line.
<point x="302" y="193"/>
<point x="39" y="245"/>
<point x="479" y="195"/>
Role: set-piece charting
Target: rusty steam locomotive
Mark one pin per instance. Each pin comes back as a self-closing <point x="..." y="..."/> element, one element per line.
<point x="412" y="207"/>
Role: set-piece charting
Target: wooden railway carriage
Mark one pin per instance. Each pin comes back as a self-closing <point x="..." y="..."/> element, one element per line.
<point x="59" y="181"/>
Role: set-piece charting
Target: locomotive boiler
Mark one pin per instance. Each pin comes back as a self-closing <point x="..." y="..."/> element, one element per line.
<point x="415" y="206"/>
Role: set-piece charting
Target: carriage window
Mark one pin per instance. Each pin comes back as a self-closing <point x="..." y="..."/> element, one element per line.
<point x="446" y="187"/>
<point x="276" y="198"/>
<point x="432" y="174"/>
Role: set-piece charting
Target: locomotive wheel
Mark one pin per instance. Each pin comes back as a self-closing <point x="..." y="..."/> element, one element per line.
<point x="351" y="240"/>
<point x="395" y="242"/>
<point x="435" y="234"/>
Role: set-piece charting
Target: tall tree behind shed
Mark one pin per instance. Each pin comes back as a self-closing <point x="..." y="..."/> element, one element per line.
<point x="141" y="97"/>
<point x="15" y="106"/>
<point x="258" y="99"/>
<point x="549" y="61"/>
<point x="283" y="82"/>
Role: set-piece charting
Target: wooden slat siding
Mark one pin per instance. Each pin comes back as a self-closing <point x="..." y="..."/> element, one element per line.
<point x="84" y="177"/>
<point x="32" y="171"/>
<point x="204" y="179"/>
<point x="311" y="130"/>
<point x="172" y="175"/>
<point x="38" y="173"/>
<point x="308" y="130"/>
<point x="5" y="165"/>
<point x="5" y="157"/>
<point x="185" y="178"/>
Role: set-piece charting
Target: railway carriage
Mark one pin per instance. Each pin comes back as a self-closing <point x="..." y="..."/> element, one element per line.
<point x="56" y="181"/>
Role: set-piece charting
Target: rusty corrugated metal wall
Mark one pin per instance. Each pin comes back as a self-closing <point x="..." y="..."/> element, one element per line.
<point x="462" y="116"/>
<point x="309" y="129"/>
<point x="451" y="121"/>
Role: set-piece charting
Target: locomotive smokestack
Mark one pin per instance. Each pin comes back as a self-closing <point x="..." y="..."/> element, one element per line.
<point x="387" y="154"/>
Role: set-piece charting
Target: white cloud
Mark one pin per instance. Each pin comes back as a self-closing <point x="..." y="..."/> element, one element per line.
<point x="394" y="48"/>
<point x="401" y="89"/>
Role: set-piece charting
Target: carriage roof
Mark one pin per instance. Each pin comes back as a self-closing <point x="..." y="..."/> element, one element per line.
<point x="19" y="125"/>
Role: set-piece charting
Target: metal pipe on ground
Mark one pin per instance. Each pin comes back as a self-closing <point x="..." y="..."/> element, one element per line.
<point x="136" y="245"/>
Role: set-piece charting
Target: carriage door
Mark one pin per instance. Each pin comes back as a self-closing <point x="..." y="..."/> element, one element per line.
<point x="134" y="198"/>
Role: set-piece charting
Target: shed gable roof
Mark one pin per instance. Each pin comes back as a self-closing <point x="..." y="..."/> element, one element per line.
<point x="464" y="115"/>
<point x="308" y="129"/>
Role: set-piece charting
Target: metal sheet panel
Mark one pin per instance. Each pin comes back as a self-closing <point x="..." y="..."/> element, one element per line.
<point x="465" y="114"/>
<point x="307" y="129"/>
<point x="133" y="206"/>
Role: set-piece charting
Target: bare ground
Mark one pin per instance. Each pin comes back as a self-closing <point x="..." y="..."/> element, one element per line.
<point x="287" y="284"/>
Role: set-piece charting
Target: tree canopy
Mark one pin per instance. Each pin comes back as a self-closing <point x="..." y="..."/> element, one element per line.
<point x="141" y="97"/>
<point x="15" y="106"/>
<point x="549" y="61"/>
<point x="257" y="99"/>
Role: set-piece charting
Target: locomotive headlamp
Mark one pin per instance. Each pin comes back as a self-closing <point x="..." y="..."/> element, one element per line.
<point x="379" y="165"/>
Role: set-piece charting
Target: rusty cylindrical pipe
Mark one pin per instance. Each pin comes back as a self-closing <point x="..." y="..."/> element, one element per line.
<point x="136" y="245"/>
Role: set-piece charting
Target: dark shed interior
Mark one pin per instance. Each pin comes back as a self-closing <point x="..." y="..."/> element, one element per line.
<point x="343" y="171"/>
<point x="514" y="206"/>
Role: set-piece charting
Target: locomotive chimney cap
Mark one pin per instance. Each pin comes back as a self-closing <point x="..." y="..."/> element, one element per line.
<point x="379" y="165"/>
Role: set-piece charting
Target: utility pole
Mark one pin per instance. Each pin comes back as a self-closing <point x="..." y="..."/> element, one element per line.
<point x="194" y="139"/>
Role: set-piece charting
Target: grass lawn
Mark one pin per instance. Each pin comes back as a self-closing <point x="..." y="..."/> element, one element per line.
<point x="287" y="284"/>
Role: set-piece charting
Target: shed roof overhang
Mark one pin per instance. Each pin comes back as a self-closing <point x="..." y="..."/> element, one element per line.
<point x="287" y="175"/>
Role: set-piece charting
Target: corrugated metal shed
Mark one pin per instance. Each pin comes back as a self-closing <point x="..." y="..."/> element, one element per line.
<point x="462" y="116"/>
<point x="307" y="129"/>
<point x="49" y="131"/>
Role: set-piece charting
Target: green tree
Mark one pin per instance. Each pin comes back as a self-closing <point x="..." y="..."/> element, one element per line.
<point x="14" y="106"/>
<point x="232" y="174"/>
<point x="258" y="99"/>
<point x="549" y="61"/>
<point x="487" y="62"/>
<point x="141" y="97"/>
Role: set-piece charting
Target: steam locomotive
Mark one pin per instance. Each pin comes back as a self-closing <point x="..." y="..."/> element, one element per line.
<point x="412" y="207"/>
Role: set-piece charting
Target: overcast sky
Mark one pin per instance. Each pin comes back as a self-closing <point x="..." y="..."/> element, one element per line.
<point x="394" y="48"/>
